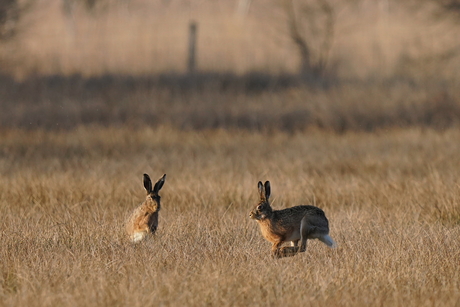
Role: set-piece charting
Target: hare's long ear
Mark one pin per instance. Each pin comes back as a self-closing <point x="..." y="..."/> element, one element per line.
<point x="267" y="190"/>
<point x="147" y="183"/>
<point x="159" y="184"/>
<point x="261" y="190"/>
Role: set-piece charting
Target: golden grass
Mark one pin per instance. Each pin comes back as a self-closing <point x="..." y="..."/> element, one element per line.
<point x="392" y="199"/>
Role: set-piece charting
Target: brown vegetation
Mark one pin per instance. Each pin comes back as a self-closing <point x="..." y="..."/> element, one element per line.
<point x="91" y="98"/>
<point x="391" y="199"/>
<point x="211" y="101"/>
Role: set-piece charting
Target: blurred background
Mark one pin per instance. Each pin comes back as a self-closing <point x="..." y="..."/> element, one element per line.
<point x="274" y="64"/>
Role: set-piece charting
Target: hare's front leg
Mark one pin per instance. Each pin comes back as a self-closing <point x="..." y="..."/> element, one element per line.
<point x="276" y="250"/>
<point x="153" y="222"/>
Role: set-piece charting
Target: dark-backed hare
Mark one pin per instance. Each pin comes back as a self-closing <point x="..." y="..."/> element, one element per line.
<point x="144" y="219"/>
<point x="293" y="224"/>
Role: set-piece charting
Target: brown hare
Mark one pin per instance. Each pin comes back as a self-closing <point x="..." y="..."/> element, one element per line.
<point x="293" y="224"/>
<point x="144" y="219"/>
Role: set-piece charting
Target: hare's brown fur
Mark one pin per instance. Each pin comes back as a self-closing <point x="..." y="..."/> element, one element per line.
<point x="293" y="224"/>
<point x="144" y="219"/>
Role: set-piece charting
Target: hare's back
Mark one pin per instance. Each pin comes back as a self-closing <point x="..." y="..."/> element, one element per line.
<point x="306" y="209"/>
<point x="314" y="216"/>
<point x="298" y="213"/>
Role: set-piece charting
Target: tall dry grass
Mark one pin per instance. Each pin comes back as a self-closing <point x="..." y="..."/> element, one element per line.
<point x="391" y="198"/>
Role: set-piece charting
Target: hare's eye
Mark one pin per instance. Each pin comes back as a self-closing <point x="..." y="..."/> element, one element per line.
<point x="259" y="207"/>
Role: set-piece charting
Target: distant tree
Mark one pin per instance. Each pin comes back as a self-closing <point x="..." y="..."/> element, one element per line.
<point x="69" y="7"/>
<point x="90" y="6"/>
<point x="450" y="5"/>
<point x="11" y="12"/>
<point x="311" y="25"/>
<point x="440" y="9"/>
<point x="9" y="16"/>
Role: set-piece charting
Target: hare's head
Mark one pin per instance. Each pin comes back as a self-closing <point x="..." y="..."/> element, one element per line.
<point x="152" y="193"/>
<point x="263" y="208"/>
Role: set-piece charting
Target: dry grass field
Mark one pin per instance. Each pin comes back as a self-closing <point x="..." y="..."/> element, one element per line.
<point x="392" y="199"/>
<point x="93" y="98"/>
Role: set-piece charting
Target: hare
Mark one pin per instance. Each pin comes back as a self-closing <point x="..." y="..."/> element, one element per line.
<point x="144" y="219"/>
<point x="291" y="224"/>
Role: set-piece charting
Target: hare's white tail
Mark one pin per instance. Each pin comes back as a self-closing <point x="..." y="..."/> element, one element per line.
<point x="326" y="239"/>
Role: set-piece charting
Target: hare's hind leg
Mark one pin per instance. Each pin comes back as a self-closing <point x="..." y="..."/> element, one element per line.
<point x="306" y="231"/>
<point x="289" y="251"/>
<point x="285" y="251"/>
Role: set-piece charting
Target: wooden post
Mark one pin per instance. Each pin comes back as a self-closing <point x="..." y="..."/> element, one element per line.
<point x="191" y="65"/>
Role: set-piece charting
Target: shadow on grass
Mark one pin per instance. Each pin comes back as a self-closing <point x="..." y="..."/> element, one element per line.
<point x="255" y="101"/>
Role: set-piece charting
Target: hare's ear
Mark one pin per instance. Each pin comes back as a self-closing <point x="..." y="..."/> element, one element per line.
<point x="159" y="184"/>
<point x="147" y="183"/>
<point x="261" y="190"/>
<point x="267" y="190"/>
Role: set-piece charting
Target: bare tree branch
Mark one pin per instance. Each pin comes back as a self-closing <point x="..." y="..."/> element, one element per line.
<point x="320" y="17"/>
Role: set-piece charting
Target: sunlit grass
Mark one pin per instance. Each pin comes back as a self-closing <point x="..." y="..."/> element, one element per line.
<point x="391" y="199"/>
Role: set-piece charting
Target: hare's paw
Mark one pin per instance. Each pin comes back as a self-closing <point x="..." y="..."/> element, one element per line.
<point x="289" y="251"/>
<point x="276" y="254"/>
<point x="286" y="251"/>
